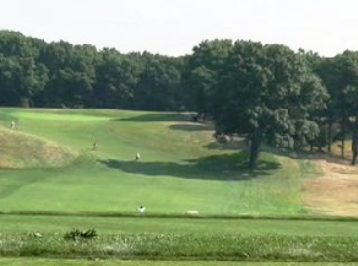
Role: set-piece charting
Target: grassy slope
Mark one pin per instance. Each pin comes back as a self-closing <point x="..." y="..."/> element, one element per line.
<point x="180" y="169"/>
<point x="42" y="262"/>
<point x="23" y="151"/>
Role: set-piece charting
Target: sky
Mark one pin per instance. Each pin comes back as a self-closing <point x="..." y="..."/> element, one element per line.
<point x="174" y="27"/>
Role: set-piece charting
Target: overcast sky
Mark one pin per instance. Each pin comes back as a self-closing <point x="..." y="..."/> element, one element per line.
<point x="173" y="27"/>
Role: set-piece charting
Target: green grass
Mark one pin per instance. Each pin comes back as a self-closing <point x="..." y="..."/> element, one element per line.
<point x="189" y="247"/>
<point x="37" y="262"/>
<point x="180" y="167"/>
<point x="42" y="262"/>
<point x="107" y="226"/>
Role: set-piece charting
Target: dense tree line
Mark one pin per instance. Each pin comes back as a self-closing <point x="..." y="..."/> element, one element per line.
<point x="34" y="73"/>
<point x="267" y="93"/>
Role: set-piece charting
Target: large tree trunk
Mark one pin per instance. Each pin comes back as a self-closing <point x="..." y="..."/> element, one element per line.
<point x="355" y="142"/>
<point x="256" y="139"/>
<point x="354" y="158"/>
<point x="329" y="140"/>
<point x="343" y="137"/>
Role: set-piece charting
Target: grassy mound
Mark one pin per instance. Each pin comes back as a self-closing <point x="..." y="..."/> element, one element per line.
<point x="21" y="151"/>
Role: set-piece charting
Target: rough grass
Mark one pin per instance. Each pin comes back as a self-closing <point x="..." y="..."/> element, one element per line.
<point x="210" y="247"/>
<point x="181" y="165"/>
<point x="21" y="151"/>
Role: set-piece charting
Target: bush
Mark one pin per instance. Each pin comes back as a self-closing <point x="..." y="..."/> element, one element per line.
<point x="76" y="234"/>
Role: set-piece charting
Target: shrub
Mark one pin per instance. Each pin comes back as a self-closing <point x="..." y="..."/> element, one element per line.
<point x="76" y="234"/>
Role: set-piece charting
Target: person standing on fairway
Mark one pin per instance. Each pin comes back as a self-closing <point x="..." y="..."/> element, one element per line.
<point x="13" y="125"/>
<point x="137" y="156"/>
<point x="94" y="146"/>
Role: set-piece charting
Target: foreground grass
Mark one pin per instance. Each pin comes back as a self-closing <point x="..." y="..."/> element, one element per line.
<point x="177" y="247"/>
<point x="106" y="225"/>
<point x="181" y="165"/>
<point x="42" y="262"/>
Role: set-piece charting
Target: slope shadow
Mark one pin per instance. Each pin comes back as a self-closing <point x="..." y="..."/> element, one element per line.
<point x="160" y="117"/>
<point x="191" y="127"/>
<point x="218" y="167"/>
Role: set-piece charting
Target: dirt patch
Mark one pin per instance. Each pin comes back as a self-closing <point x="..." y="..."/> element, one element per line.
<point x="335" y="192"/>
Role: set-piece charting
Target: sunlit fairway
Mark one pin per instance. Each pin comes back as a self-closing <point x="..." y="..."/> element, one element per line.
<point x="182" y="168"/>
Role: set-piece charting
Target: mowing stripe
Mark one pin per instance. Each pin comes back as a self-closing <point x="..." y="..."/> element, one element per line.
<point x="201" y="216"/>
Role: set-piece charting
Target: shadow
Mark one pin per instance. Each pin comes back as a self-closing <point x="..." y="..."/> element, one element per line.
<point x="160" y="117"/>
<point x="292" y="154"/>
<point x="191" y="127"/>
<point x="308" y="155"/>
<point x="235" y="145"/>
<point x="226" y="167"/>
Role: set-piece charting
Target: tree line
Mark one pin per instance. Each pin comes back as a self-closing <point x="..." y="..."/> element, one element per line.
<point x="267" y="93"/>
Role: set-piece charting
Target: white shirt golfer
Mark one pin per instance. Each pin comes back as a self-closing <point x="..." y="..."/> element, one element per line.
<point x="137" y="157"/>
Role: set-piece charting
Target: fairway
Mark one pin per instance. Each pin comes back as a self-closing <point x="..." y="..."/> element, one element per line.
<point x="107" y="225"/>
<point x="52" y="181"/>
<point x="181" y="165"/>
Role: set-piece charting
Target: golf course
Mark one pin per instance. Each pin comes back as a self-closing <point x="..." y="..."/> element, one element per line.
<point x="53" y="179"/>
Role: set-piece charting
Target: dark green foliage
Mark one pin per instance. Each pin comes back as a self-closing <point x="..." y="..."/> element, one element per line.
<point x="77" y="234"/>
<point x="201" y="74"/>
<point x="267" y="90"/>
<point x="61" y="75"/>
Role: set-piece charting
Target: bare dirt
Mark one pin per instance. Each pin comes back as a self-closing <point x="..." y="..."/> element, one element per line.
<point x="335" y="192"/>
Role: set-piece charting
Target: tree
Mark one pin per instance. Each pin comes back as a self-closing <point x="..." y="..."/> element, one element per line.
<point x="159" y="83"/>
<point x="22" y="77"/>
<point x="116" y="79"/>
<point x="263" y="88"/>
<point x="202" y="73"/>
<point x="345" y="96"/>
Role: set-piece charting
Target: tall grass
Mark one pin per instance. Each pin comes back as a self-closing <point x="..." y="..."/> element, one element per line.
<point x="218" y="247"/>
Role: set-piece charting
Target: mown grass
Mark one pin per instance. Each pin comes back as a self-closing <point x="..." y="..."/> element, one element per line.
<point x="209" y="247"/>
<point x="179" y="168"/>
<point x="47" y="262"/>
<point x="107" y="225"/>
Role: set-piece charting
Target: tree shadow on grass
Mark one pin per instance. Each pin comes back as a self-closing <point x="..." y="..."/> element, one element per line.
<point x="308" y="155"/>
<point x="159" y="117"/>
<point x="239" y="144"/>
<point x="190" y="127"/>
<point x="217" y="167"/>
